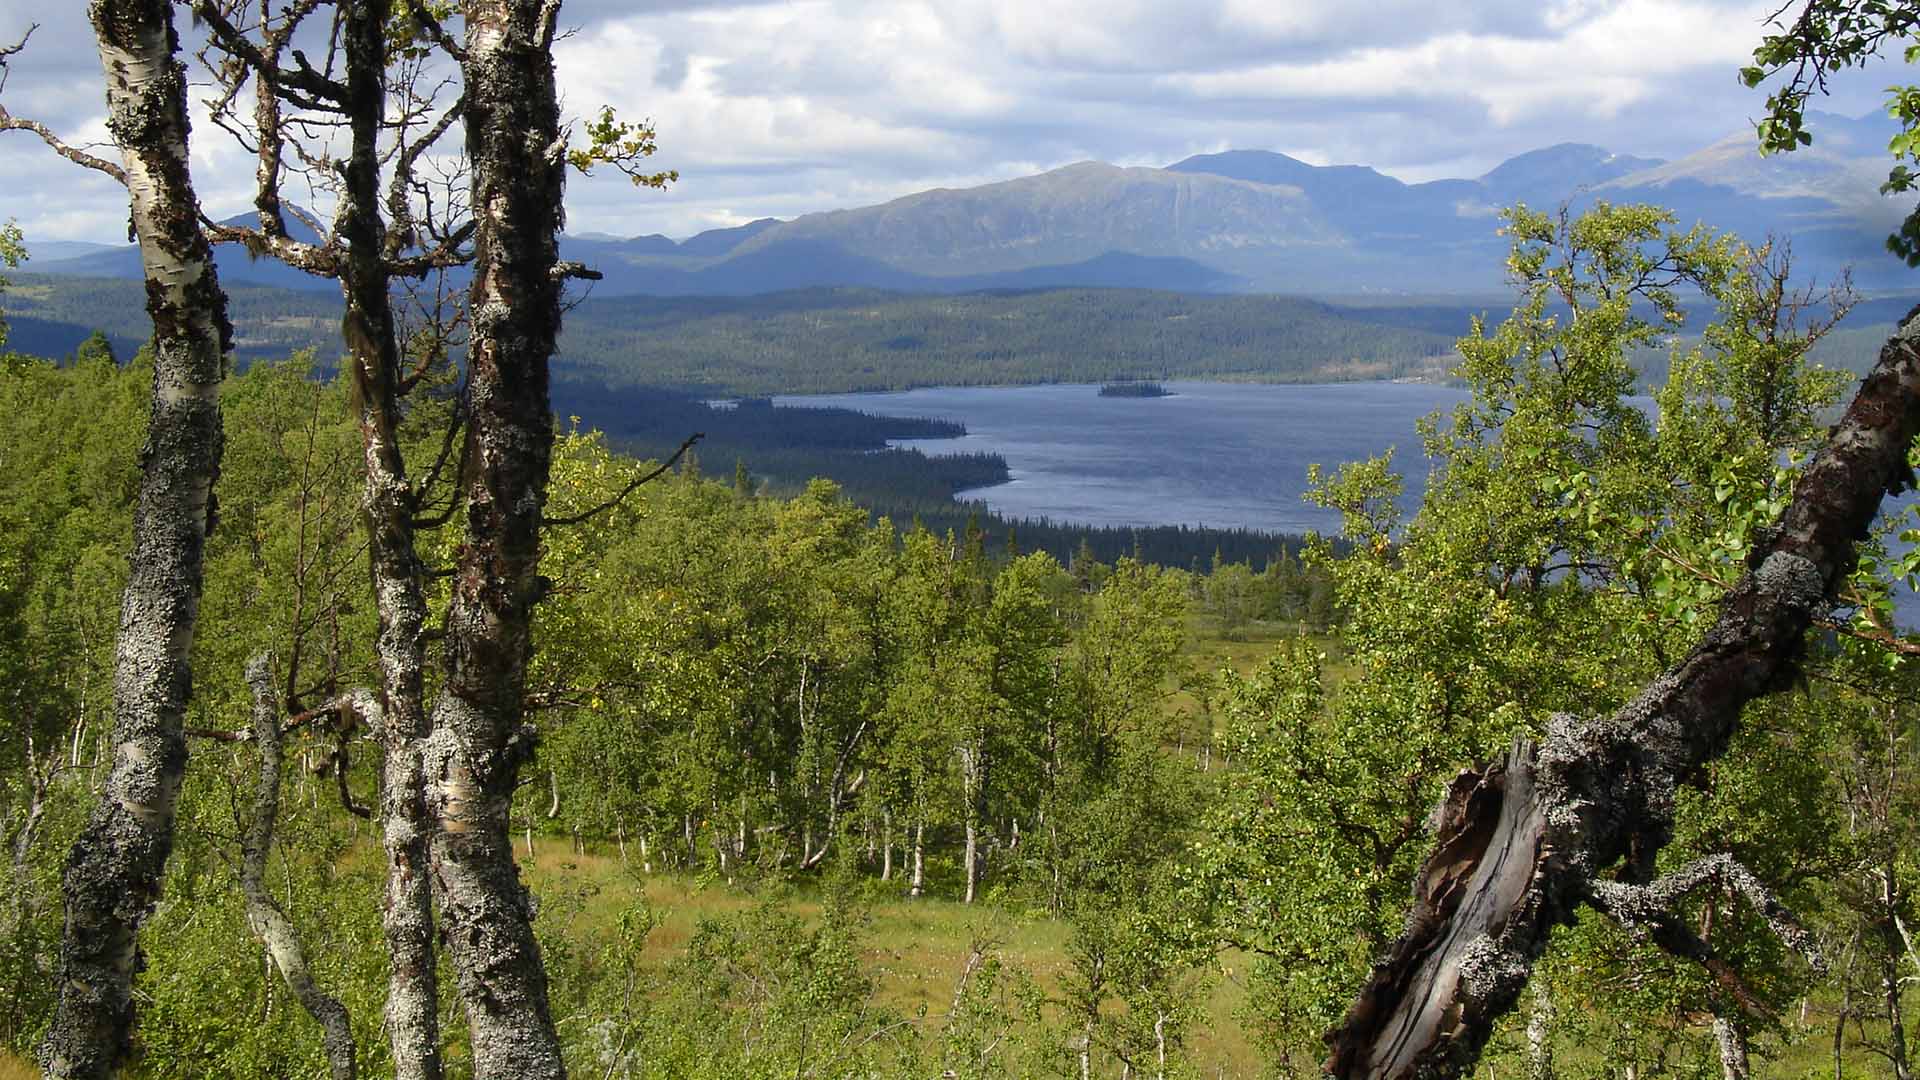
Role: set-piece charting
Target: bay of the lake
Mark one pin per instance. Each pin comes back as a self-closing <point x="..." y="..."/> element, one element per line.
<point x="1228" y="455"/>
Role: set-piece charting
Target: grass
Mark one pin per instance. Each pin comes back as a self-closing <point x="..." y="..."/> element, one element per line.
<point x="914" y="949"/>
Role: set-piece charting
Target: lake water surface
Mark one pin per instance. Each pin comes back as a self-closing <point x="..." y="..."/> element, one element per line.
<point x="1221" y="454"/>
<point x="1218" y="454"/>
<point x="1229" y="455"/>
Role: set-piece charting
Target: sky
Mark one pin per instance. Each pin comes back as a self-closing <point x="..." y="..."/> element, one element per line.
<point x="781" y="109"/>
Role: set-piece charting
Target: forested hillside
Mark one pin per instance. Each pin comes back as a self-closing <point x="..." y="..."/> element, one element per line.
<point x="838" y="340"/>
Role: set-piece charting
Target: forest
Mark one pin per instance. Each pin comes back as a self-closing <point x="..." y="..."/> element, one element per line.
<point x="816" y="341"/>
<point x="369" y="715"/>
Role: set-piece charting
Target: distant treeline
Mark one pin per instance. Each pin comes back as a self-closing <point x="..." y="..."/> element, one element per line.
<point x="51" y="316"/>
<point x="838" y="340"/>
<point x="655" y="415"/>
<point x="1182" y="547"/>
<point x="783" y="447"/>
<point x="642" y="370"/>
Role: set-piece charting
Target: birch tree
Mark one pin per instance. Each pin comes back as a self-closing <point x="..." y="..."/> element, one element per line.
<point x="1524" y="842"/>
<point x="516" y="150"/>
<point x="367" y="250"/>
<point x="1575" y="817"/>
<point x="113" y="874"/>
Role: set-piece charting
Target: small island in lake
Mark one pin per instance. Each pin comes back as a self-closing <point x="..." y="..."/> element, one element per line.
<point x="1134" y="389"/>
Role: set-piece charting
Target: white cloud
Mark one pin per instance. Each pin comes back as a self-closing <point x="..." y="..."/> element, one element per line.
<point x="789" y="107"/>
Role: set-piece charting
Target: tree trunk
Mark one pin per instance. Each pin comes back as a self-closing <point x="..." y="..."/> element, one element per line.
<point x="1160" y="1045"/>
<point x="973" y="782"/>
<point x="114" y="870"/>
<point x="1844" y="1013"/>
<point x="973" y="855"/>
<point x="1890" y="985"/>
<point x="886" y="843"/>
<point x="1731" y="1039"/>
<point x="399" y="589"/>
<point x="478" y="742"/>
<point x="1540" y="1034"/>
<point x="918" y="885"/>
<point x="1521" y="843"/>
<point x="268" y="922"/>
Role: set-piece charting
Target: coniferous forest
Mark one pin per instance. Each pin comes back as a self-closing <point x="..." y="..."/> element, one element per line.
<point x="369" y="714"/>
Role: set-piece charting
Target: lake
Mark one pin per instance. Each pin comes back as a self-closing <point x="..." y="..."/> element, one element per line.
<point x="1229" y="455"/>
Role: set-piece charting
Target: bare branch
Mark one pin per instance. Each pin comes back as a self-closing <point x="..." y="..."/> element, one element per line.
<point x="264" y="915"/>
<point x="1653" y="911"/>
<point x="10" y="122"/>
<point x="8" y="51"/>
<point x="655" y="474"/>
<point x="435" y="32"/>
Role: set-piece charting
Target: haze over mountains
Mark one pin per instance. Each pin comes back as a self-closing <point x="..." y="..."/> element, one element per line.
<point x="1236" y="221"/>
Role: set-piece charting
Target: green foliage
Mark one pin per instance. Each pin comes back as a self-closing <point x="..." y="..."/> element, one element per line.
<point x="769" y="688"/>
<point x="1567" y="543"/>
<point x="13" y="251"/>
<point x="623" y="145"/>
<point x="1828" y="37"/>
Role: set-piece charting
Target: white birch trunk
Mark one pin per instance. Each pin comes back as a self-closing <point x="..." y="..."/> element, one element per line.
<point x="114" y="870"/>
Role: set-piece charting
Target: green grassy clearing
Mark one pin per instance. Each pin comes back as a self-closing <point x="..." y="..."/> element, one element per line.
<point x="913" y="949"/>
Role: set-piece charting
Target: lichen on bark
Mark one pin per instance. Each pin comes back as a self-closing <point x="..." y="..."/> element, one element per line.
<point x="114" y="870"/>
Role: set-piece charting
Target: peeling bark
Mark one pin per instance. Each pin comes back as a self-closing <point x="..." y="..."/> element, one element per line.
<point x="1521" y="842"/>
<point x="114" y="871"/>
<point x="479" y="742"/>
<point x="264" y="915"/>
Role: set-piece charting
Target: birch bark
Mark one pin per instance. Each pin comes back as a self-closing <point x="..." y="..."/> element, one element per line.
<point x="264" y="914"/>
<point x="412" y="1017"/>
<point x="517" y="154"/>
<point x="114" y="870"/>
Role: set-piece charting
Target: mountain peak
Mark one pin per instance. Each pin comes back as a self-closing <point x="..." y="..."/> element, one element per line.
<point x="1272" y="167"/>
<point x="1560" y="169"/>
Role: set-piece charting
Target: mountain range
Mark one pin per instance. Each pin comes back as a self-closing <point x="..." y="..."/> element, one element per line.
<point x="1239" y="221"/>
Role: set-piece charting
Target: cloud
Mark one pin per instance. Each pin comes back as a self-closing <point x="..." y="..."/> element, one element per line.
<point x="791" y="107"/>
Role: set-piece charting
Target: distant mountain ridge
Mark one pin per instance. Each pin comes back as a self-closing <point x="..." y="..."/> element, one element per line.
<point x="1240" y="220"/>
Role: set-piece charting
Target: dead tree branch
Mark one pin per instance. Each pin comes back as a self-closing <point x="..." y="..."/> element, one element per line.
<point x="10" y="122"/>
<point x="264" y="915"/>
<point x="1652" y="912"/>
<point x="1521" y="842"/>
